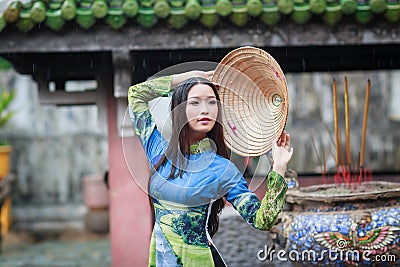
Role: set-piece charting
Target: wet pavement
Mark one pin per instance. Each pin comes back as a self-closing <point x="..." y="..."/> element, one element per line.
<point x="83" y="250"/>
<point x="241" y="245"/>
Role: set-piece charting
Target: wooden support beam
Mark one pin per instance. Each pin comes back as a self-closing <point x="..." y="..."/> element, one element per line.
<point x="62" y="98"/>
<point x="122" y="65"/>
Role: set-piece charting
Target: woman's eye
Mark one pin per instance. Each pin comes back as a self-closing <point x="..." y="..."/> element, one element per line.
<point x="212" y="102"/>
<point x="194" y="102"/>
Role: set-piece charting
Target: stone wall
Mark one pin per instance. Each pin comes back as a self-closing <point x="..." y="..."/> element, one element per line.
<point x="311" y="117"/>
<point x="53" y="149"/>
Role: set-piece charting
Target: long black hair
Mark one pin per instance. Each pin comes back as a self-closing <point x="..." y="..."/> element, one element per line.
<point x="179" y="146"/>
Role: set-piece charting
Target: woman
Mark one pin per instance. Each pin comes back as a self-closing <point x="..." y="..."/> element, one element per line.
<point x="192" y="173"/>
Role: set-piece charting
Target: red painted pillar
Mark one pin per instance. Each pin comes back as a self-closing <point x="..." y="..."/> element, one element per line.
<point x="130" y="220"/>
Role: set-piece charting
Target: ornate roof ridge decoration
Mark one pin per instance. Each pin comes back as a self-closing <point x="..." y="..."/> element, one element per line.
<point x="55" y="14"/>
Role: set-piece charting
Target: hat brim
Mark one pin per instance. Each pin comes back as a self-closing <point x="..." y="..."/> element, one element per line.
<point x="254" y="97"/>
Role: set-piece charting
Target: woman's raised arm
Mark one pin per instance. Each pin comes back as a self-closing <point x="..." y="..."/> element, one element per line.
<point x="139" y="96"/>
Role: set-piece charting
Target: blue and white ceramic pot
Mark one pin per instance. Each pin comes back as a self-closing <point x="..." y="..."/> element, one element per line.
<point x="326" y="226"/>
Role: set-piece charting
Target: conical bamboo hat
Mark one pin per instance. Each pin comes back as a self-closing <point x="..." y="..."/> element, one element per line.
<point x="254" y="97"/>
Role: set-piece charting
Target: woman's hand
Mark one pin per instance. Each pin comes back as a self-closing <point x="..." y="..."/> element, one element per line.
<point x="281" y="153"/>
<point x="178" y="78"/>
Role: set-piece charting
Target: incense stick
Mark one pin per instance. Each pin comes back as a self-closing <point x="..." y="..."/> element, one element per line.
<point x="346" y="106"/>
<point x="336" y="122"/>
<point x="364" y="131"/>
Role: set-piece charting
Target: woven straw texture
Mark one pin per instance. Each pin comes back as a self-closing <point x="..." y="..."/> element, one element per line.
<point x="254" y="96"/>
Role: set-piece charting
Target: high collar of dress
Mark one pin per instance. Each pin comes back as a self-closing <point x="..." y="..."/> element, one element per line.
<point x="200" y="146"/>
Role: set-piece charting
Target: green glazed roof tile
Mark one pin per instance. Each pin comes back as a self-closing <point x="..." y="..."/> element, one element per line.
<point x="11" y="14"/>
<point x="209" y="19"/>
<point x="84" y="17"/>
<point x="55" y="5"/>
<point x="192" y="9"/>
<point x="99" y="8"/>
<point x="38" y="12"/>
<point x="348" y="6"/>
<point x="301" y="13"/>
<point x="176" y="3"/>
<point x="254" y="7"/>
<point x="333" y="14"/>
<point x="115" y="18"/>
<point x="161" y="9"/>
<point x="270" y="15"/>
<point x="223" y="7"/>
<point x="68" y="9"/>
<point x="178" y="19"/>
<point x="25" y="23"/>
<point x="285" y="6"/>
<point x="378" y="6"/>
<point x="54" y="19"/>
<point x="393" y="13"/>
<point x="146" y="17"/>
<point x="317" y="6"/>
<point x="130" y="8"/>
<point x="150" y="13"/>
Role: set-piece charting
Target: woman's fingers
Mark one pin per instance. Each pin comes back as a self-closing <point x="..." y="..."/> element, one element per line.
<point x="287" y="139"/>
<point x="284" y="139"/>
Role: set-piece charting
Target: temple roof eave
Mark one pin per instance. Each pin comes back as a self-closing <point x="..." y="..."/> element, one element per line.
<point x="102" y="38"/>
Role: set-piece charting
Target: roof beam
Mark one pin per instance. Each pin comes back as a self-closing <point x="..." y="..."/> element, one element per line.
<point x="102" y="38"/>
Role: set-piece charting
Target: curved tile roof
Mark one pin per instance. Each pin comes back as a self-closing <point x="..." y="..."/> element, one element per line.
<point x="55" y="14"/>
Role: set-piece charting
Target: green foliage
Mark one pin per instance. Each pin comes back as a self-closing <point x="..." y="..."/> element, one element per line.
<point x="5" y="64"/>
<point x="6" y="97"/>
<point x="191" y="229"/>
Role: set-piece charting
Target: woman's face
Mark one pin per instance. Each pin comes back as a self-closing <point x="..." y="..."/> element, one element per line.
<point x="201" y="109"/>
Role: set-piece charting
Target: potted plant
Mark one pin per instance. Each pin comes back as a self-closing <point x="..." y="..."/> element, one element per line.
<point x="6" y="97"/>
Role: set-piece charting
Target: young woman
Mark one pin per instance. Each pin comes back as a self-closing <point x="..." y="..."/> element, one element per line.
<point x="191" y="174"/>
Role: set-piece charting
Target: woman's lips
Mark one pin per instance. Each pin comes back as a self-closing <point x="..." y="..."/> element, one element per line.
<point x="204" y="121"/>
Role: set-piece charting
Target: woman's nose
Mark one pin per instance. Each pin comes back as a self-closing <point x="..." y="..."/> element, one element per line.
<point x="204" y="108"/>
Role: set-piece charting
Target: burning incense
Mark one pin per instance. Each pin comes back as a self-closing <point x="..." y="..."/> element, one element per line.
<point x="336" y="122"/>
<point x="346" y="106"/>
<point x="364" y="131"/>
